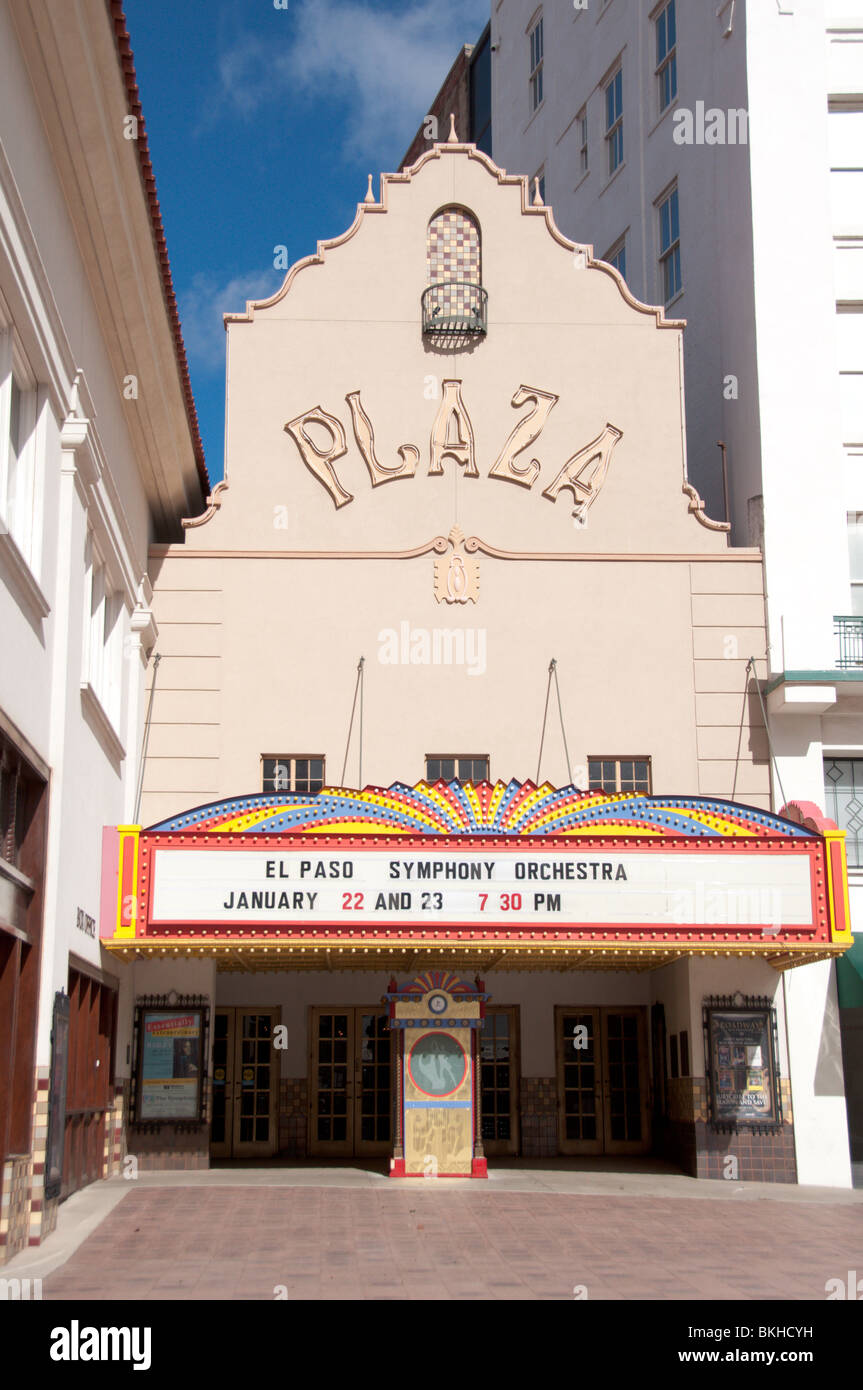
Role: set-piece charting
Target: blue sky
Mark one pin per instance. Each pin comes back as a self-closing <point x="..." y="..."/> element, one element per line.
<point x="264" y="124"/>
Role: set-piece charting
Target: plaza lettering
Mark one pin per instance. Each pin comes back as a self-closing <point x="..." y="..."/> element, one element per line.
<point x="452" y="440"/>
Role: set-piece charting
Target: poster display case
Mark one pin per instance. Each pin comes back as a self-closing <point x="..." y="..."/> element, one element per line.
<point x="742" y="1060"/>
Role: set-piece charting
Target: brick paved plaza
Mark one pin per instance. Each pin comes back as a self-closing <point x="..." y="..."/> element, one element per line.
<point x="400" y="1241"/>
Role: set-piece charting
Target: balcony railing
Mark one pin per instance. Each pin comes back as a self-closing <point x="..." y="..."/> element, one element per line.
<point x="848" y="633"/>
<point x="455" y="307"/>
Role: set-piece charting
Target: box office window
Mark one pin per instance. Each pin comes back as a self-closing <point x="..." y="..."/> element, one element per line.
<point x="287" y="772"/>
<point x="619" y="774"/>
<point x="464" y="767"/>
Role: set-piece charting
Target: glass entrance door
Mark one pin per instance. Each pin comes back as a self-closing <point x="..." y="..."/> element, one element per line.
<point x="499" y="1065"/>
<point x="627" y="1121"/>
<point x="602" y="1081"/>
<point x="351" y="1083"/>
<point x="245" y="1084"/>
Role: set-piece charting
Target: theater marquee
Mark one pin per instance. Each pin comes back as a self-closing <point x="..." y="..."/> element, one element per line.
<point x="473" y="870"/>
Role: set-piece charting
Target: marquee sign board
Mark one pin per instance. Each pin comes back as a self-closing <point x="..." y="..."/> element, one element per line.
<point x="572" y="884"/>
<point x="457" y="863"/>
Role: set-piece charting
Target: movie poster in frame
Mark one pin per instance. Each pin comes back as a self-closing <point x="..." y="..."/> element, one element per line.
<point x="742" y="1064"/>
<point x="170" y="1063"/>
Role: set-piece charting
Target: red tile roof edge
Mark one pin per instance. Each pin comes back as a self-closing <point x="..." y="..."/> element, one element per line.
<point x="148" y="179"/>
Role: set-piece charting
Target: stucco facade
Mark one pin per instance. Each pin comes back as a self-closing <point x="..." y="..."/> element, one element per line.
<point x="458" y="510"/>
<point x="649" y="613"/>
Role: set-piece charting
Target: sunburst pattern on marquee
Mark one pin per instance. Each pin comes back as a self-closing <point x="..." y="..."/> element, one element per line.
<point x="437" y="979"/>
<point x="467" y="808"/>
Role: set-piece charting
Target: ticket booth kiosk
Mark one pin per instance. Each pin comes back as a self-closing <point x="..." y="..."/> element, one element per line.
<point x="435" y="1020"/>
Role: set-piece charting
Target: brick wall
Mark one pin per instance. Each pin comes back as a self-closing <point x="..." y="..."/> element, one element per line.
<point x="453" y="97"/>
<point x="25" y="1215"/>
<point x="704" y="1152"/>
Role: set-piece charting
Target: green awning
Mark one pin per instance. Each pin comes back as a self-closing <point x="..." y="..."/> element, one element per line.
<point x="849" y="975"/>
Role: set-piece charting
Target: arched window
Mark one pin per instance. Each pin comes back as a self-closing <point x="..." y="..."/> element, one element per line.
<point x="454" y="301"/>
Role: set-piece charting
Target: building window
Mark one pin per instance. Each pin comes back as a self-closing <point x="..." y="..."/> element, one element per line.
<point x="616" y="256"/>
<point x="614" y="120"/>
<point x="619" y="774"/>
<point x="18" y="792"/>
<point x="666" y="55"/>
<point x="18" y="410"/>
<point x="669" y="247"/>
<point x="536" y="65"/>
<point x="103" y="635"/>
<point x="539" y="178"/>
<point x="843" y="802"/>
<point x="855" y="556"/>
<point x="283" y="772"/>
<point x="583" y="161"/>
<point x="463" y="768"/>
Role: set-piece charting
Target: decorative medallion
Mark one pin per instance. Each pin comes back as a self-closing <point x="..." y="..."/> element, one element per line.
<point x="456" y="576"/>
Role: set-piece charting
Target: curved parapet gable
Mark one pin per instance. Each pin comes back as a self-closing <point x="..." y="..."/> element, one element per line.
<point x="529" y="208"/>
<point x="345" y="384"/>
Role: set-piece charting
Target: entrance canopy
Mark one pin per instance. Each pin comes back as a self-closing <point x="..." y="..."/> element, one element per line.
<point x="510" y="876"/>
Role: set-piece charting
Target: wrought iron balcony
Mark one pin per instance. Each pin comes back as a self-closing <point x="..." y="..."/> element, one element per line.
<point x="455" y="307"/>
<point x="849" y="643"/>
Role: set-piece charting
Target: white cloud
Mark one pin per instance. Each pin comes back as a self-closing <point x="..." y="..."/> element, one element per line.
<point x="201" y="308"/>
<point x="386" y="63"/>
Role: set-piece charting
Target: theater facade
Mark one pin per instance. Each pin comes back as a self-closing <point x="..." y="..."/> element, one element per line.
<point x="458" y="840"/>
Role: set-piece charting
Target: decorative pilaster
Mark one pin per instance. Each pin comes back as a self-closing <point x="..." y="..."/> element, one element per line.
<point x="479" y="1166"/>
<point x="397" y="1162"/>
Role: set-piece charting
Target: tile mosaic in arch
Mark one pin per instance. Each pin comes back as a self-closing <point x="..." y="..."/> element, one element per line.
<point x="453" y="255"/>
